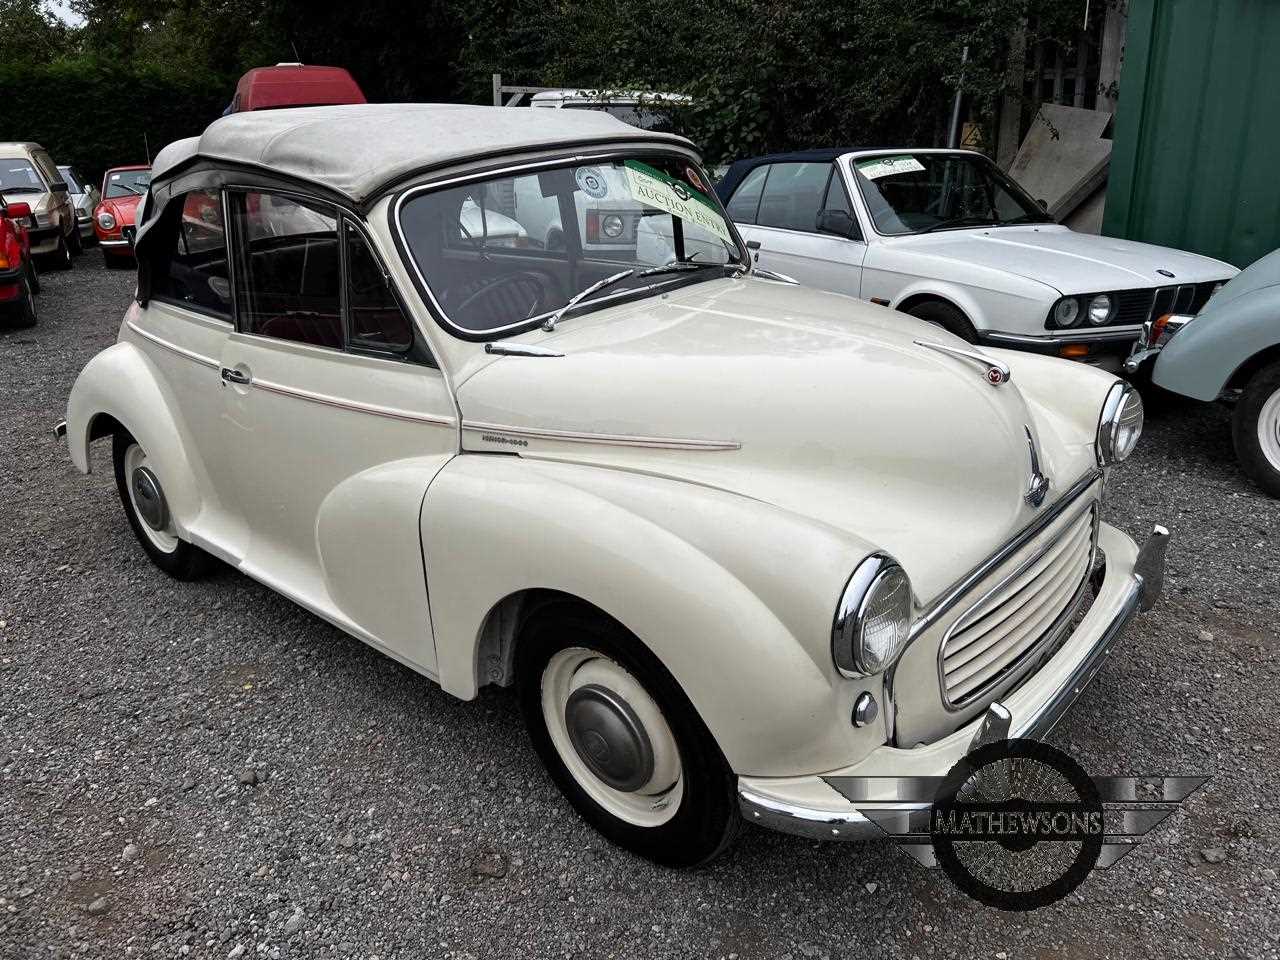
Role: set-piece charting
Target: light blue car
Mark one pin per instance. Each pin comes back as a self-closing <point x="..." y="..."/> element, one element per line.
<point x="1230" y="350"/>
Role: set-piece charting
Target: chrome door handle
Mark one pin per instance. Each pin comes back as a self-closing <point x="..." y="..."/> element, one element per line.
<point x="234" y="376"/>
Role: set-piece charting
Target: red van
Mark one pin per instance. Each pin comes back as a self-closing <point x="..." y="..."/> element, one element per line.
<point x="295" y="85"/>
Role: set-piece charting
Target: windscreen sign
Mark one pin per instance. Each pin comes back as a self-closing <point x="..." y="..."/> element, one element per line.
<point x="655" y="189"/>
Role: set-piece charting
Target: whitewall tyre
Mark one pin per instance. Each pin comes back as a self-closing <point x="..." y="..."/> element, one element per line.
<point x="621" y="740"/>
<point x="1255" y="428"/>
<point x="146" y="507"/>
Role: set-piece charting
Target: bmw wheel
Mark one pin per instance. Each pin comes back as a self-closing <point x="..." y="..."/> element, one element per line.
<point x="142" y="495"/>
<point x="61" y="259"/>
<point x="622" y="741"/>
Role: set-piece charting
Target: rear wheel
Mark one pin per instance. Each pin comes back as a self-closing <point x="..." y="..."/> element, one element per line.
<point x="147" y="509"/>
<point x="1255" y="429"/>
<point x="622" y="741"/>
<point x="947" y="317"/>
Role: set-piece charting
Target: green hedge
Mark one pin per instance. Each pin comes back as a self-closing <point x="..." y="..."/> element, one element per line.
<point x="94" y="115"/>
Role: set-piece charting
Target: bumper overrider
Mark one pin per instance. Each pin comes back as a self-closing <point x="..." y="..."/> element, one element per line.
<point x="813" y="807"/>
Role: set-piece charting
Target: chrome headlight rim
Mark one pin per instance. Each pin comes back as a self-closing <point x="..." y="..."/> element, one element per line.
<point x="106" y="221"/>
<point x="873" y="574"/>
<point x="1121" y="400"/>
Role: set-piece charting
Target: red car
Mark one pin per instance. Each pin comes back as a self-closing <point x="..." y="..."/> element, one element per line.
<point x="295" y="85"/>
<point x="115" y="216"/>
<point x="18" y="280"/>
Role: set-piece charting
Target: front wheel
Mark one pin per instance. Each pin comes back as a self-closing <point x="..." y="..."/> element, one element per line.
<point x="147" y="509"/>
<point x="62" y="256"/>
<point x="947" y="317"/>
<point x="622" y="741"/>
<point x="75" y="243"/>
<point x="33" y="276"/>
<point x="25" y="312"/>
<point x="1255" y="429"/>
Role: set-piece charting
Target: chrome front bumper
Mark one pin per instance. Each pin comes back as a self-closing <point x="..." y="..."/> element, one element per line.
<point x="811" y="807"/>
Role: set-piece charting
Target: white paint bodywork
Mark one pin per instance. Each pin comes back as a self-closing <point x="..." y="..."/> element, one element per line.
<point x="1004" y="279"/>
<point x="706" y="466"/>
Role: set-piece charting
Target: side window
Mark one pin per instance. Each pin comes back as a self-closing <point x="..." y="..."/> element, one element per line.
<point x="288" y="269"/>
<point x="192" y="270"/>
<point x="837" y="202"/>
<point x="374" y="318"/>
<point x="745" y="201"/>
<point x="793" y="195"/>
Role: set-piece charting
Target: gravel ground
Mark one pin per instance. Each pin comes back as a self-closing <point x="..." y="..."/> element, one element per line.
<point x="207" y="770"/>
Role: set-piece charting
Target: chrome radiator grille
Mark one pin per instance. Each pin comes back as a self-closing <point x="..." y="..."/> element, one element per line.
<point x="1023" y="608"/>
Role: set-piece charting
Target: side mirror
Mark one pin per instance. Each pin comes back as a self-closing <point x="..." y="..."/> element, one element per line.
<point x="58" y="186"/>
<point x="17" y="211"/>
<point x="837" y="222"/>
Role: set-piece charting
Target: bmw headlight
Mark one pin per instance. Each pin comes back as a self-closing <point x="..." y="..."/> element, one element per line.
<point x="1100" y="309"/>
<point x="1066" y="312"/>
<point x="106" y="221"/>
<point x="612" y="226"/>
<point x="1120" y="425"/>
<point x="873" y="619"/>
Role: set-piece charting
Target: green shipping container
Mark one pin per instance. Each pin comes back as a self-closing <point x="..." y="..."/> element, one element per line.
<point x="1196" y="158"/>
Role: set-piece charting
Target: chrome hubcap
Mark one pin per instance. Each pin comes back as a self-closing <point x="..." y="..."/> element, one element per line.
<point x="609" y="737"/>
<point x="149" y="498"/>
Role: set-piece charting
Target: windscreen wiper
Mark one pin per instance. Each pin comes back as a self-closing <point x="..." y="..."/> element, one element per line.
<point x="962" y="222"/>
<point x="549" y="324"/>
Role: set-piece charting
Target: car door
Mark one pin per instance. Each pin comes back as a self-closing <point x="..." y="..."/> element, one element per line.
<point x="783" y="230"/>
<point x="334" y="421"/>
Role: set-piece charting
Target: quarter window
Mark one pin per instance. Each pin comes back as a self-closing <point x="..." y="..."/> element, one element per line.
<point x="289" y="270"/>
<point x="375" y="319"/>
<point x="192" y="270"/>
<point x="793" y="195"/>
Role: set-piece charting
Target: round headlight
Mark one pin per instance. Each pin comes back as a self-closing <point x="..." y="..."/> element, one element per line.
<point x="873" y="620"/>
<point x="611" y="226"/>
<point x="1100" y="309"/>
<point x="1120" y="425"/>
<point x="106" y="221"/>
<point x="1066" y="312"/>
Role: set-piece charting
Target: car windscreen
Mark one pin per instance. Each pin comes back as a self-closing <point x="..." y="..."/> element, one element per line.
<point x="19" y="176"/>
<point x="504" y="253"/>
<point x="127" y="183"/>
<point x="921" y="192"/>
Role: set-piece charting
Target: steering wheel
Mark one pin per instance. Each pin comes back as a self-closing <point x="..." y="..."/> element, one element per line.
<point x="522" y="294"/>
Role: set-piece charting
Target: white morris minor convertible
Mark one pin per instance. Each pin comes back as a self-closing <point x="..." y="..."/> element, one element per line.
<point x="946" y="236"/>
<point x="730" y="540"/>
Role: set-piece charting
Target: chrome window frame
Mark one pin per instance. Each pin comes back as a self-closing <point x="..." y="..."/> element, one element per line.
<point x="437" y="310"/>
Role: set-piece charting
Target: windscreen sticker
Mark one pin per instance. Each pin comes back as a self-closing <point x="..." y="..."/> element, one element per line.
<point x="592" y="182"/>
<point x="655" y="189"/>
<point x="877" y="167"/>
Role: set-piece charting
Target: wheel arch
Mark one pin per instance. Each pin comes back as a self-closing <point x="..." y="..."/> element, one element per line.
<point x="1241" y="376"/>
<point x="733" y="624"/>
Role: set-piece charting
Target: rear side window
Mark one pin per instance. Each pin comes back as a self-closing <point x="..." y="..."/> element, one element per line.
<point x="793" y="195"/>
<point x="745" y="201"/>
<point x="289" y="269"/>
<point x="193" y="269"/>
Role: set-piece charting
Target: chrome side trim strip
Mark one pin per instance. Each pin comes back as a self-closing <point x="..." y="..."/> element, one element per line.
<point x="392" y="413"/>
<point x="953" y="594"/>
<point x="621" y="440"/>
<point x="199" y="358"/>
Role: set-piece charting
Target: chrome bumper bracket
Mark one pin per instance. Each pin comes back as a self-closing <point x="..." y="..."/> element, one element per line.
<point x="1149" y="568"/>
<point x="60" y="430"/>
